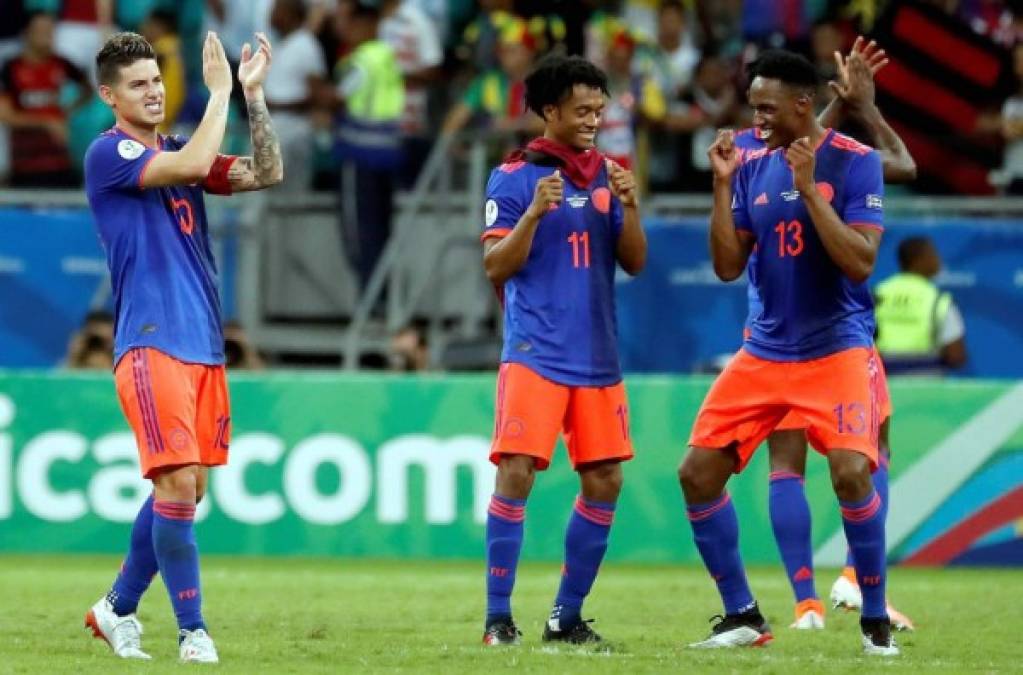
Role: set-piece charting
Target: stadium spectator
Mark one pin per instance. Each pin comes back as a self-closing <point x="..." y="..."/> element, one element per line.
<point x="239" y="352"/>
<point x="92" y="346"/>
<point x="635" y="100"/>
<point x="478" y="49"/>
<point x="371" y="91"/>
<point x="672" y="60"/>
<point x="498" y="95"/>
<point x="30" y="93"/>
<point x="919" y="326"/>
<point x="298" y="73"/>
<point x="160" y="29"/>
<point x="715" y="104"/>
<point x="409" y="351"/>
<point x="417" y="47"/>
<point x="82" y="27"/>
<point x="825" y="40"/>
<point x="235" y="22"/>
<point x="1012" y="130"/>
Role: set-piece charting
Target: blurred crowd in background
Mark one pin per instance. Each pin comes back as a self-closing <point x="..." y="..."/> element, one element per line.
<point x="676" y="72"/>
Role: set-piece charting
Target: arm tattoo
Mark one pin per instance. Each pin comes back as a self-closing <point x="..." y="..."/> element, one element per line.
<point x="267" y="164"/>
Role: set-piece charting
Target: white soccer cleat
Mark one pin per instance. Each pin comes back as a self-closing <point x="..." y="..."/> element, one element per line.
<point x="748" y="629"/>
<point x="122" y="633"/>
<point x="197" y="647"/>
<point x="845" y="594"/>
<point x="809" y="615"/>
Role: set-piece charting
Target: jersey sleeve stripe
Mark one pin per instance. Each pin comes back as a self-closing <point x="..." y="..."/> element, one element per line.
<point x="497" y="232"/>
<point x="142" y="174"/>
<point x="868" y="226"/>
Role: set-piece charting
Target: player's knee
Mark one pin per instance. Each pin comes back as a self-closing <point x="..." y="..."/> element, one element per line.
<point x="179" y="484"/>
<point x="694" y="481"/>
<point x="515" y="476"/>
<point x="851" y="480"/>
<point x="604" y="481"/>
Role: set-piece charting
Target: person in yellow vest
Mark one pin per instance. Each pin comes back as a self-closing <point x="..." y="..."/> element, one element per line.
<point x="919" y="326"/>
<point x="371" y="92"/>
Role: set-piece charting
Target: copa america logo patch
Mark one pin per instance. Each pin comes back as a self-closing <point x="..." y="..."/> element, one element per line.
<point x="130" y="149"/>
<point x="491" y="211"/>
<point x="874" y="202"/>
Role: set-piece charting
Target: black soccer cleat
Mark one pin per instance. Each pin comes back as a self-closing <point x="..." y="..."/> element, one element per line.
<point x="502" y="632"/>
<point x="746" y="629"/>
<point x="578" y="633"/>
<point x="877" y="637"/>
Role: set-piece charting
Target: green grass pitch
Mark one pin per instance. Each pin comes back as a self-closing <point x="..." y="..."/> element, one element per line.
<point x="353" y="616"/>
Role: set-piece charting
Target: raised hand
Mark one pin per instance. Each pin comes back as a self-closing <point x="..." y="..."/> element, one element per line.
<point x="622" y="183"/>
<point x="216" y="71"/>
<point x="800" y="158"/>
<point x="855" y="83"/>
<point x="724" y="160"/>
<point x="547" y="194"/>
<point x="253" y="67"/>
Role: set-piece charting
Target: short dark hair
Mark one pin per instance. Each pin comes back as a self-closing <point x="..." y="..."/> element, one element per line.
<point x="793" y="69"/>
<point x="120" y="50"/>
<point x="552" y="80"/>
<point x="910" y="249"/>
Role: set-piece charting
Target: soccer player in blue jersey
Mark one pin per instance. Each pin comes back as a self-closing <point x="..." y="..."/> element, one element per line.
<point x="559" y="218"/>
<point x="812" y="206"/>
<point x="146" y="194"/>
<point x="790" y="512"/>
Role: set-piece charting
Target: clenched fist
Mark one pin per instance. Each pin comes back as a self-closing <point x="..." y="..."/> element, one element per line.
<point x="622" y="183"/>
<point x="724" y="160"/>
<point x="547" y="195"/>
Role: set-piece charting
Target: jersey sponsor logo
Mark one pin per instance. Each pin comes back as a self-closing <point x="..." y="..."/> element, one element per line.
<point x="761" y="200"/>
<point x="129" y="149"/>
<point x="577" y="201"/>
<point x="875" y="201"/>
<point x="491" y="212"/>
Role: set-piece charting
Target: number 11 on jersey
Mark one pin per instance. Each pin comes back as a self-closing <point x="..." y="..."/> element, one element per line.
<point x="580" y="240"/>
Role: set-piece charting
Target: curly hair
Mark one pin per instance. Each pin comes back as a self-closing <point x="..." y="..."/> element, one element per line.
<point x="552" y="80"/>
<point x="120" y="50"/>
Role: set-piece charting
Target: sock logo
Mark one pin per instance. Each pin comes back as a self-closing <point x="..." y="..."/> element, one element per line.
<point x="802" y="574"/>
<point x="870" y="580"/>
<point x="498" y="571"/>
<point x="188" y="594"/>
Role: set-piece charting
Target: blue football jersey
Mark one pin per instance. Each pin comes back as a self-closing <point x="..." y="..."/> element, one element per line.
<point x="162" y="270"/>
<point x="559" y="308"/>
<point x="808" y="307"/>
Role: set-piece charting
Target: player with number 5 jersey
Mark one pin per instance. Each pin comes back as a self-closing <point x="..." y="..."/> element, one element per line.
<point x="559" y="218"/>
<point x="146" y="194"/>
<point x="810" y="203"/>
